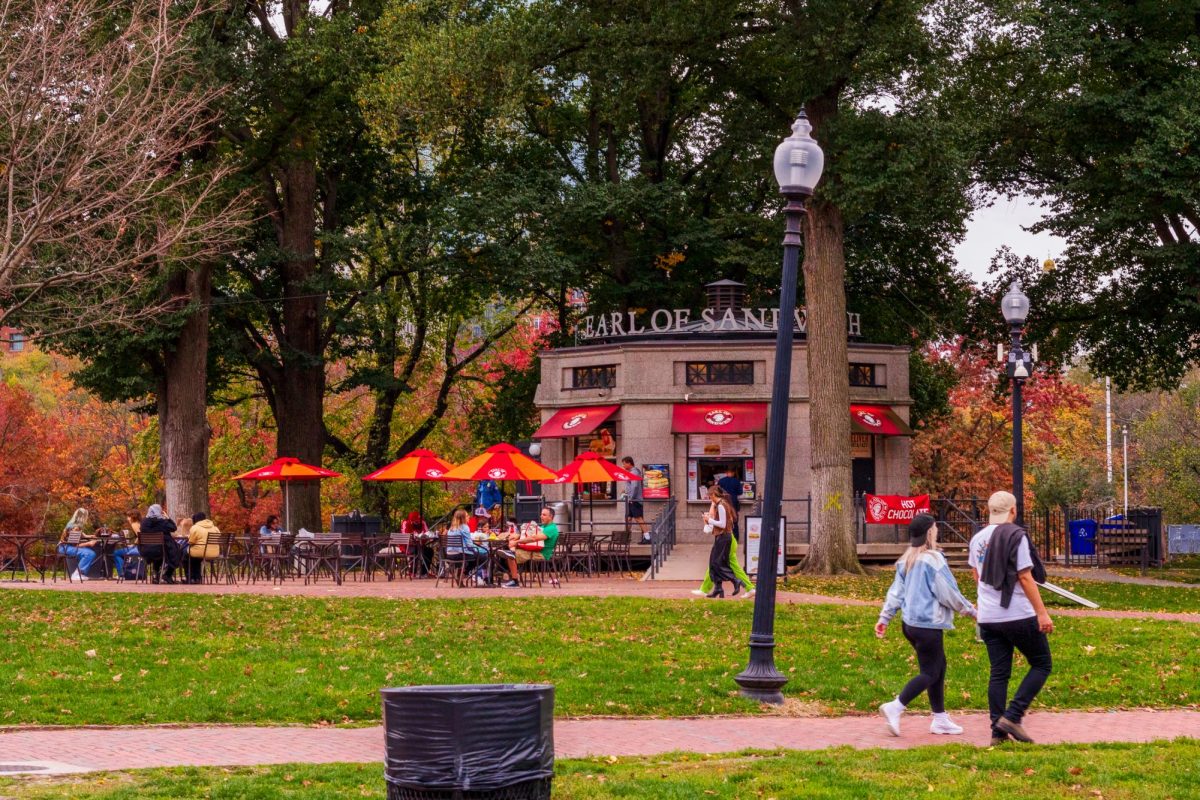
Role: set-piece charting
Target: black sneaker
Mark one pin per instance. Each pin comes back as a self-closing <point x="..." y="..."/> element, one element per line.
<point x="1013" y="729"/>
<point x="511" y="584"/>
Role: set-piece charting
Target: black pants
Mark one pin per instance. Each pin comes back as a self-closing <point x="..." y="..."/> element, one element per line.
<point x="1001" y="639"/>
<point x="195" y="569"/>
<point x="931" y="659"/>
<point x="718" y="560"/>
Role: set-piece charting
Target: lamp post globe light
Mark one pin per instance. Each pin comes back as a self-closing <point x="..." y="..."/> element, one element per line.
<point x="798" y="165"/>
<point x="1015" y="307"/>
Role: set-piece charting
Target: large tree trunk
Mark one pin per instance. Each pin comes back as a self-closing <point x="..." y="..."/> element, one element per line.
<point x="301" y="390"/>
<point x="832" y="549"/>
<point x="183" y="424"/>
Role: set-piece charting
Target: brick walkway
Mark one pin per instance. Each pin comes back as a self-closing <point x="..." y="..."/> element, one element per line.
<point x="134" y="748"/>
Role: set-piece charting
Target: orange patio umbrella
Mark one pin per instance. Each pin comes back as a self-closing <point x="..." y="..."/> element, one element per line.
<point x="285" y="470"/>
<point x="419" y="465"/>
<point x="500" y="462"/>
<point x="592" y="468"/>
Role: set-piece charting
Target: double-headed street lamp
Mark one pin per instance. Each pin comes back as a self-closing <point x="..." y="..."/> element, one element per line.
<point x="798" y="165"/>
<point x="1015" y="308"/>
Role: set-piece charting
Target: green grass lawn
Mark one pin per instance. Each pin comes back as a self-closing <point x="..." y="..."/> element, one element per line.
<point x="1113" y="596"/>
<point x="1159" y="771"/>
<point x="76" y="658"/>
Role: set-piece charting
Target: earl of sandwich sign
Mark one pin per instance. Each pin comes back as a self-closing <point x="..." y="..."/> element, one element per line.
<point x="680" y="320"/>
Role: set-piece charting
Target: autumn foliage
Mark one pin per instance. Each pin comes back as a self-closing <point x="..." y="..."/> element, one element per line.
<point x="968" y="453"/>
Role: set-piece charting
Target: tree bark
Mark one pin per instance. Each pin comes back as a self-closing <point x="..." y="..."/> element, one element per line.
<point x="300" y="394"/>
<point x="832" y="547"/>
<point x="183" y="423"/>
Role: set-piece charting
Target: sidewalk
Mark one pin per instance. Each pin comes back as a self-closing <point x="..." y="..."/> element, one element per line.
<point x="88" y="749"/>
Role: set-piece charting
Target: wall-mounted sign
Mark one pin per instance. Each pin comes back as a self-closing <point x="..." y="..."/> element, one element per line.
<point x="656" y="482"/>
<point x="710" y="446"/>
<point x="679" y="320"/>
<point x="754" y="542"/>
<point x="860" y="445"/>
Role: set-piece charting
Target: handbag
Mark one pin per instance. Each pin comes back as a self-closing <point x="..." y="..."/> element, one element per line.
<point x="708" y="528"/>
<point x="534" y="547"/>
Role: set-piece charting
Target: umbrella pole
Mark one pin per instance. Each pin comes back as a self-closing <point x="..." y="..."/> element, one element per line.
<point x="421" y="501"/>
<point x="287" y="508"/>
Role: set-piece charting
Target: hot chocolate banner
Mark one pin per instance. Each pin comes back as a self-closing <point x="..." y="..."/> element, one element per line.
<point x="894" y="509"/>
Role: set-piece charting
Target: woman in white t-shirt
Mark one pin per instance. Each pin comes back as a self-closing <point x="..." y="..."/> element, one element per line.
<point x="1011" y="615"/>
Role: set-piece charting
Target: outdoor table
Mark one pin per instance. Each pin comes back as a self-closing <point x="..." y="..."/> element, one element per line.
<point x="423" y="542"/>
<point x="494" y="560"/>
<point x="20" y="559"/>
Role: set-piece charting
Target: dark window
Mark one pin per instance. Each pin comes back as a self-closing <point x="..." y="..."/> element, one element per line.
<point x="862" y="375"/>
<point x="16" y="342"/>
<point x="700" y="373"/>
<point x="602" y="377"/>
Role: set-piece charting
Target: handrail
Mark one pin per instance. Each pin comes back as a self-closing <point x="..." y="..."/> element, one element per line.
<point x="662" y="536"/>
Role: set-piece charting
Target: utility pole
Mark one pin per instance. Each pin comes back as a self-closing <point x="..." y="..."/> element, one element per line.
<point x="1108" y="429"/>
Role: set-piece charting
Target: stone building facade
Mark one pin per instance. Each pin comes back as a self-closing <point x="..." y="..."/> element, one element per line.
<point x="687" y="397"/>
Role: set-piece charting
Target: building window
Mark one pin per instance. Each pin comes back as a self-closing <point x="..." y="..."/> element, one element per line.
<point x="866" y="375"/>
<point x="601" y="377"/>
<point x="719" y="373"/>
<point x="16" y="342"/>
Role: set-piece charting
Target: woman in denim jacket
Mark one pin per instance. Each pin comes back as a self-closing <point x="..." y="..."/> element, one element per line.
<point x="928" y="595"/>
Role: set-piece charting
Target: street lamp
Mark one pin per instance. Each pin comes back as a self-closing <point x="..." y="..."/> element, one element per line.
<point x="798" y="165"/>
<point x="1015" y="308"/>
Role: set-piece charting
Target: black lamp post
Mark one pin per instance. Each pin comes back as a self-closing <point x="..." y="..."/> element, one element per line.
<point x="1015" y="307"/>
<point x="798" y="165"/>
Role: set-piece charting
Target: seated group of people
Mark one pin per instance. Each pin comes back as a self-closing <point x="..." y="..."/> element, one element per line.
<point x="186" y="544"/>
<point x="536" y="544"/>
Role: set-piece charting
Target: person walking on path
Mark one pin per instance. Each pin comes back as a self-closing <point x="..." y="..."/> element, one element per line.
<point x="1011" y="614"/>
<point x="720" y="519"/>
<point x="925" y="593"/>
<point x="634" y="512"/>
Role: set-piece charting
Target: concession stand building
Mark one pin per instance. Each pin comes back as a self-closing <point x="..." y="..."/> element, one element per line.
<point x="685" y="394"/>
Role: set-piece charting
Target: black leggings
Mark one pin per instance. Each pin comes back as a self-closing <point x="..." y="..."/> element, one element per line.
<point x="931" y="658"/>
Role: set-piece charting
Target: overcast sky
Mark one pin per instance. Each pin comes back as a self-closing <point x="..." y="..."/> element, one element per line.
<point x="1004" y="224"/>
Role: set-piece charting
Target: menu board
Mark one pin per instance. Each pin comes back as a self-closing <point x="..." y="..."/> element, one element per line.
<point x="715" y="446"/>
<point x="656" y="481"/>
<point x="754" y="540"/>
<point x="860" y="445"/>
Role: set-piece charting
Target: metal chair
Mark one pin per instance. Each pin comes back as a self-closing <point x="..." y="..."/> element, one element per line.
<point x="397" y="549"/>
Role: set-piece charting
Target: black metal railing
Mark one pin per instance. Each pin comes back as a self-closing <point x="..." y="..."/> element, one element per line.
<point x="662" y="536"/>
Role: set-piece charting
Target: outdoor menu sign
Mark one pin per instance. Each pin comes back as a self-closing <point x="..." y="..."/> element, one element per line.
<point x="721" y="445"/>
<point x="754" y="539"/>
<point x="860" y="445"/>
<point x="656" y="481"/>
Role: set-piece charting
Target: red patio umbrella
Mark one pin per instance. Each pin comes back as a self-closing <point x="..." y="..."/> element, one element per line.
<point x="592" y="468"/>
<point x="285" y="470"/>
<point x="419" y="465"/>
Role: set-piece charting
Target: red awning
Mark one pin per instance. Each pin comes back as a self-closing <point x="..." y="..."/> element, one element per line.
<point x="719" y="418"/>
<point x="578" y="421"/>
<point x="878" y="420"/>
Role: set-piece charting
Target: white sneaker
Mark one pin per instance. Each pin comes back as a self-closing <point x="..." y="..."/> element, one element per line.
<point x="943" y="725"/>
<point x="698" y="592"/>
<point x="891" y="714"/>
<point x="75" y="576"/>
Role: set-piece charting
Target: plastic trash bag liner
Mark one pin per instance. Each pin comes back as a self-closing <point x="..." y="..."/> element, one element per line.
<point x="481" y="737"/>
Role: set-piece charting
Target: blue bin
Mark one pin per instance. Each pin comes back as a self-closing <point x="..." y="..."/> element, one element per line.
<point x="1083" y="537"/>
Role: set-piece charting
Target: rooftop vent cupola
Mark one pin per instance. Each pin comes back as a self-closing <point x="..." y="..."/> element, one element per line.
<point x="726" y="294"/>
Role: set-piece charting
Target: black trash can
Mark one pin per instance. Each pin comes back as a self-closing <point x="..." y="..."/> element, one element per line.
<point x="470" y="742"/>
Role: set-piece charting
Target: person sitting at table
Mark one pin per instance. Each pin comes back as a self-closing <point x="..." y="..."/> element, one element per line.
<point x="413" y="523"/>
<point x="133" y="526"/>
<point x="201" y="545"/>
<point x="480" y="514"/>
<point x="160" y="561"/>
<point x="537" y="546"/>
<point x="460" y="543"/>
<point x="83" y="553"/>
<point x="270" y="527"/>
<point x="496" y="517"/>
